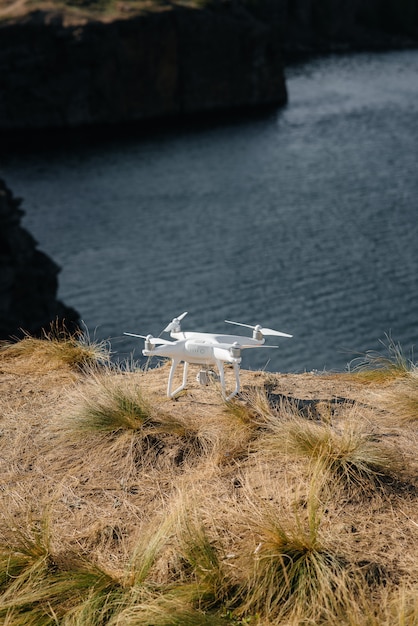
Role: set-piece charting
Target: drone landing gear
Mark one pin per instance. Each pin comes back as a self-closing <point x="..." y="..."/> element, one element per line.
<point x="175" y="362"/>
<point x="222" y="377"/>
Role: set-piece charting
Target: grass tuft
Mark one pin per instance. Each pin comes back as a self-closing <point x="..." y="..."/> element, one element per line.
<point x="165" y="611"/>
<point x="42" y="588"/>
<point x="292" y="572"/>
<point x="375" y="367"/>
<point x="347" y="455"/>
<point x="57" y="348"/>
<point x="24" y="560"/>
<point x="110" y="406"/>
<point x="402" y="399"/>
<point x="116" y="405"/>
<point x="39" y="589"/>
<point x="207" y="583"/>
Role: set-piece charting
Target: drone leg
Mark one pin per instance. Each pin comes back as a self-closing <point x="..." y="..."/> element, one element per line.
<point x="237" y="383"/>
<point x="222" y="378"/>
<point x="174" y="364"/>
<point x="185" y="370"/>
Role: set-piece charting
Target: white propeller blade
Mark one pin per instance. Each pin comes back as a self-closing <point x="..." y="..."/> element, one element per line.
<point x="174" y="322"/>
<point x="263" y="331"/>
<point x="255" y="346"/>
<point x="154" y="340"/>
<point x="239" y="324"/>
<point x="273" y="333"/>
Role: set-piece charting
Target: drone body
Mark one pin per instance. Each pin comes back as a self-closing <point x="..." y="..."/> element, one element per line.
<point x="206" y="349"/>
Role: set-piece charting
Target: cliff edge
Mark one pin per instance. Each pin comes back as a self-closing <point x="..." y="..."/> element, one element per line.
<point x="28" y="277"/>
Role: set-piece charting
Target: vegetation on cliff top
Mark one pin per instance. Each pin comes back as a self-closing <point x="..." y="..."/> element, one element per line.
<point x="293" y="504"/>
<point x="92" y="9"/>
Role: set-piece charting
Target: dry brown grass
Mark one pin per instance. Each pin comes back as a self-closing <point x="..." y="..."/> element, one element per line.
<point x="382" y="367"/>
<point x="401" y="400"/>
<point x="348" y="454"/>
<point x="77" y="11"/>
<point x="57" y="348"/>
<point x="121" y="507"/>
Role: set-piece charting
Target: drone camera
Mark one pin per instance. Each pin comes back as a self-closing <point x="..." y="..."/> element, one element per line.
<point x="205" y="377"/>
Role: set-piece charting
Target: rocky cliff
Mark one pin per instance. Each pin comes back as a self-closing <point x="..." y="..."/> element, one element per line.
<point x="57" y="70"/>
<point x="28" y="278"/>
<point x="176" y="60"/>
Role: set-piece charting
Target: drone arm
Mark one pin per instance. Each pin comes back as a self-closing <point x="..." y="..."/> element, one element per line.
<point x="174" y="364"/>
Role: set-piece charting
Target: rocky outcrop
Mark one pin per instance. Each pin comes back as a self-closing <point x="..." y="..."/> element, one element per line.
<point x="177" y="59"/>
<point x="28" y="277"/>
<point x="173" y="61"/>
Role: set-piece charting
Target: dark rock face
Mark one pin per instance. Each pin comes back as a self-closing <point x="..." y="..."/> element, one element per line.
<point x="28" y="278"/>
<point x="242" y="56"/>
<point x="328" y="25"/>
<point x="174" y="61"/>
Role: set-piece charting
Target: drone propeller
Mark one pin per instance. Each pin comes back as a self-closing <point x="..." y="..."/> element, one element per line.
<point x="155" y="341"/>
<point x="264" y="345"/>
<point x="240" y="346"/>
<point x="260" y="329"/>
<point x="174" y="325"/>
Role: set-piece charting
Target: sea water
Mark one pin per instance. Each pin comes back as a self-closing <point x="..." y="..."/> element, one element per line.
<point x="304" y="220"/>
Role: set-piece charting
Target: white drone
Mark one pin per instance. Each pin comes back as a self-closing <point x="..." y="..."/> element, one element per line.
<point x="206" y="349"/>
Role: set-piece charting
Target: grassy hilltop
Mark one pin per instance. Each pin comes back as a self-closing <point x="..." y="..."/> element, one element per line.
<point x="294" y="504"/>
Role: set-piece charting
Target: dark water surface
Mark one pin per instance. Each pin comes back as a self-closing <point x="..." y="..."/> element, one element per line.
<point x="305" y="220"/>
